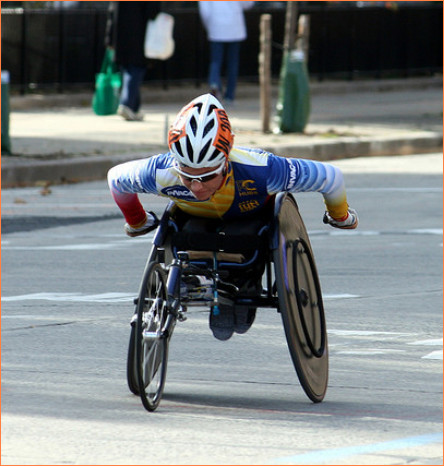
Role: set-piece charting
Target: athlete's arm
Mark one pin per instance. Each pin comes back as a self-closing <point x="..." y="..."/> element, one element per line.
<point x="126" y="181"/>
<point x="300" y="175"/>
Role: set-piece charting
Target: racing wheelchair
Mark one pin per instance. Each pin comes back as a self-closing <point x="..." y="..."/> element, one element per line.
<point x="277" y="246"/>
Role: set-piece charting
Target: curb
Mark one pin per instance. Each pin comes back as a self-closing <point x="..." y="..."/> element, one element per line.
<point x="23" y="173"/>
<point x="155" y="93"/>
<point x="364" y="147"/>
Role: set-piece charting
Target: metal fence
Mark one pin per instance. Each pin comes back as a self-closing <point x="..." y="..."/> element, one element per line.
<point x="61" y="49"/>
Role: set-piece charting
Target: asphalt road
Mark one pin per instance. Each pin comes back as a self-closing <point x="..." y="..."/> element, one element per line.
<point x="69" y="276"/>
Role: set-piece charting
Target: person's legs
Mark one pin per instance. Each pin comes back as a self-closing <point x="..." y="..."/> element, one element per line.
<point x="222" y="321"/>
<point x="232" y="59"/>
<point x="130" y="95"/>
<point x="231" y="318"/>
<point x="216" y="57"/>
<point x="243" y="318"/>
<point x="248" y="280"/>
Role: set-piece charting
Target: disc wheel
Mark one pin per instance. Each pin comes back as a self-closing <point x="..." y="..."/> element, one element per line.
<point x="151" y="343"/>
<point x="300" y="301"/>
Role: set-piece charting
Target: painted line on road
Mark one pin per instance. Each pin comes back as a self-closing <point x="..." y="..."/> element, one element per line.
<point x="432" y="342"/>
<point x="428" y="189"/>
<point x="106" y="297"/>
<point x="326" y="456"/>
<point x="77" y="247"/>
<point x="437" y="354"/>
<point x="7" y="244"/>
<point x="364" y="333"/>
<point x="117" y="297"/>
<point x="112" y="297"/>
<point x="65" y="247"/>
<point x="417" y="231"/>
<point x="434" y="355"/>
<point x="339" y="296"/>
<point x="369" y="352"/>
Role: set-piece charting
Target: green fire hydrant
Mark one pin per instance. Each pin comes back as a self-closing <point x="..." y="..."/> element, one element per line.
<point x="293" y="106"/>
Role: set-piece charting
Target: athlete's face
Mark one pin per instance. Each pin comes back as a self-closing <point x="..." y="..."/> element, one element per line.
<point x="204" y="186"/>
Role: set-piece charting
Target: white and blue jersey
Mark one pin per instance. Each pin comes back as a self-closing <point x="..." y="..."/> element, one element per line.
<point x="253" y="176"/>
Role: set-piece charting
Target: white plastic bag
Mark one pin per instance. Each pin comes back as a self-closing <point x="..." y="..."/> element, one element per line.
<point x="159" y="42"/>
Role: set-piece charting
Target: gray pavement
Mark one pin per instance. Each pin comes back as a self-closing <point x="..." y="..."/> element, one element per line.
<point x="57" y="138"/>
<point x="65" y="333"/>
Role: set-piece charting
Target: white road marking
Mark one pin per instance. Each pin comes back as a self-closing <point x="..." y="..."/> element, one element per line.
<point x="100" y="245"/>
<point x="65" y="247"/>
<point x="422" y="231"/>
<point x="425" y="231"/>
<point x="364" y="333"/>
<point x="401" y="189"/>
<point x="339" y="296"/>
<point x="73" y="297"/>
<point x="119" y="297"/>
<point x="433" y="342"/>
<point x="107" y="297"/>
<point x="374" y="351"/>
<point x="434" y="355"/>
<point x="369" y="351"/>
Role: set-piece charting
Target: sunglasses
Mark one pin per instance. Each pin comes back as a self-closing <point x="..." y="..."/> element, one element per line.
<point x="204" y="178"/>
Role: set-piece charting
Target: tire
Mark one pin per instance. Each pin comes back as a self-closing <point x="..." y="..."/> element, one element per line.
<point x="300" y="301"/>
<point x="131" y="365"/>
<point x="131" y="361"/>
<point x="151" y="343"/>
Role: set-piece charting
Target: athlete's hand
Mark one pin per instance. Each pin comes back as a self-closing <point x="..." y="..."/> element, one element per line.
<point x="150" y="224"/>
<point x="348" y="223"/>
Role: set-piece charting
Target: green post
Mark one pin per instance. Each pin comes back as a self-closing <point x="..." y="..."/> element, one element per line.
<point x="293" y="106"/>
<point x="6" y="142"/>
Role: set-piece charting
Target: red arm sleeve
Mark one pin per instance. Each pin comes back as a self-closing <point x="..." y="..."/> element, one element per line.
<point x="131" y="208"/>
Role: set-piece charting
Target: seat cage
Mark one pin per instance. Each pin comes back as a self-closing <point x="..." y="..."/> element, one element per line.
<point x="222" y="253"/>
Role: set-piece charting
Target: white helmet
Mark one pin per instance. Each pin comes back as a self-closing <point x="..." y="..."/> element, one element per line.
<point x="201" y="135"/>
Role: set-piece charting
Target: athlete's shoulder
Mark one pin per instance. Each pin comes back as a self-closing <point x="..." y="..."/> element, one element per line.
<point x="140" y="175"/>
<point x="162" y="161"/>
<point x="250" y="156"/>
<point x="152" y="166"/>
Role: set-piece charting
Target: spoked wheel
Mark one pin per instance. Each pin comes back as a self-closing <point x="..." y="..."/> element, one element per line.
<point x="300" y="301"/>
<point x="131" y="361"/>
<point x="151" y="343"/>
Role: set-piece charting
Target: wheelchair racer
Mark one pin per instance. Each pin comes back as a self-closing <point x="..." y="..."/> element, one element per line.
<point x="206" y="176"/>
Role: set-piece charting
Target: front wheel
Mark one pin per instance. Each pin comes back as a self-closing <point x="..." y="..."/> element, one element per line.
<point x="151" y="341"/>
<point x="131" y="364"/>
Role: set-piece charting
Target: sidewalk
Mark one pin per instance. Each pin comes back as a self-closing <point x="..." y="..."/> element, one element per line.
<point x="58" y="138"/>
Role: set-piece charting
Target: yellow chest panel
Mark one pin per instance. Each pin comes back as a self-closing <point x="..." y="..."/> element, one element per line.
<point x="216" y="206"/>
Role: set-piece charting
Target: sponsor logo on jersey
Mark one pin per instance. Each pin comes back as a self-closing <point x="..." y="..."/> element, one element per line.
<point x="247" y="206"/>
<point x="177" y="191"/>
<point x="246" y="188"/>
<point x="292" y="180"/>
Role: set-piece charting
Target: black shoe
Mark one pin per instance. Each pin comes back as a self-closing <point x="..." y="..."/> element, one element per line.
<point x="222" y="324"/>
<point x="243" y="318"/>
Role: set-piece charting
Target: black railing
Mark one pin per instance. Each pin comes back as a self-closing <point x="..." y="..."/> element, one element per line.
<point x="62" y="49"/>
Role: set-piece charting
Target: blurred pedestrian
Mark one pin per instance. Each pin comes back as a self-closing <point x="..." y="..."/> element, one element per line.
<point x="225" y="26"/>
<point x="125" y="33"/>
